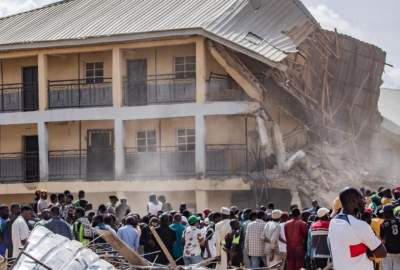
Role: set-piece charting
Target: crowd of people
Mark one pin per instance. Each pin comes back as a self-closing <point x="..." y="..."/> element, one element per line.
<point x="359" y="231"/>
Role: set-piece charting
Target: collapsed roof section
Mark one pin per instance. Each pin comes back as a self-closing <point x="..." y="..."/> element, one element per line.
<point x="264" y="30"/>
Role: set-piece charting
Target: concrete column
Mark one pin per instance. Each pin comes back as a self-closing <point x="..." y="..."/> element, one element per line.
<point x="201" y="70"/>
<point x="43" y="151"/>
<point x="119" y="137"/>
<point x="201" y="200"/>
<point x="43" y="81"/>
<point x="117" y="83"/>
<point x="200" y="145"/>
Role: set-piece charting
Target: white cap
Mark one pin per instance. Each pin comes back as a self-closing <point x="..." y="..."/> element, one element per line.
<point x="225" y="211"/>
<point x="322" y="212"/>
<point x="276" y="214"/>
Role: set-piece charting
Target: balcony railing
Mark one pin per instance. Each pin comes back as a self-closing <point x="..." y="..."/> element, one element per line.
<point x="227" y="160"/>
<point x="19" y="167"/>
<point x="18" y="97"/>
<point x="159" y="89"/>
<point x="223" y="88"/>
<point x="80" y="93"/>
<point x="67" y="165"/>
<point x="164" y="161"/>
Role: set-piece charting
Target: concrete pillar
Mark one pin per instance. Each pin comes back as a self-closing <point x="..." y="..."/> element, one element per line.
<point x="201" y="70"/>
<point x="117" y="84"/>
<point x="43" y="81"/>
<point x="43" y="151"/>
<point x="201" y="200"/>
<point x="200" y="145"/>
<point x="119" y="137"/>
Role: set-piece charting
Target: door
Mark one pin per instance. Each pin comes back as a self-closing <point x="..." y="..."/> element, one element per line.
<point x="30" y="91"/>
<point x="100" y="156"/>
<point x="31" y="158"/>
<point x="137" y="82"/>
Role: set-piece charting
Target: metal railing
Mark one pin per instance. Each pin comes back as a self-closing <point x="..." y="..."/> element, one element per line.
<point x="159" y="89"/>
<point x="19" y="167"/>
<point x="80" y="93"/>
<point x="18" y="97"/>
<point x="227" y="159"/>
<point x="164" y="161"/>
<point x="67" y="165"/>
<point x="222" y="87"/>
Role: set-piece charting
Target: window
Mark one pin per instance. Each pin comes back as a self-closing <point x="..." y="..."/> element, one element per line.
<point x="147" y="141"/>
<point x="185" y="67"/>
<point x="186" y="139"/>
<point x="94" y="72"/>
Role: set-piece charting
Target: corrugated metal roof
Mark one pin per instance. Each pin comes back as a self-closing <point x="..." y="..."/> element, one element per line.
<point x="231" y="21"/>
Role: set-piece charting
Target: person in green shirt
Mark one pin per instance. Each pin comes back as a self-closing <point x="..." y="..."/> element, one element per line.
<point x="82" y="229"/>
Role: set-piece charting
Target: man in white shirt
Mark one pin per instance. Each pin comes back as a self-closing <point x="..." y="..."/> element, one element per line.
<point x="270" y="235"/>
<point x="352" y="240"/>
<point x="222" y="228"/>
<point x="20" y="230"/>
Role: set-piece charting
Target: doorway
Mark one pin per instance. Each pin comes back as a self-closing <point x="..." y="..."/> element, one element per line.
<point x="137" y="82"/>
<point x="31" y="158"/>
<point x="100" y="154"/>
<point x="30" y="92"/>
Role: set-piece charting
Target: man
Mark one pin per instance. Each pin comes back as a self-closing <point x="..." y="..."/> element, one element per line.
<point x="177" y="226"/>
<point x="390" y="234"/>
<point x="222" y="228"/>
<point x="68" y="205"/>
<point x="57" y="225"/>
<point x="193" y="240"/>
<point x="53" y="200"/>
<point x="154" y="206"/>
<point x="319" y="239"/>
<point x="129" y="234"/>
<point x="122" y="209"/>
<point x="254" y="244"/>
<point x="111" y="206"/>
<point x="45" y="217"/>
<point x="81" y="196"/>
<point x="4" y="213"/>
<point x="167" y="235"/>
<point x="234" y="242"/>
<point x="352" y="239"/>
<point x="210" y="250"/>
<point x="270" y="236"/>
<point x="387" y="197"/>
<point x="82" y="229"/>
<point x="20" y="230"/>
<point x="296" y="235"/>
<point x="42" y="203"/>
<point x="15" y="211"/>
<point x="166" y="206"/>
<point x="315" y="207"/>
<point x="282" y="239"/>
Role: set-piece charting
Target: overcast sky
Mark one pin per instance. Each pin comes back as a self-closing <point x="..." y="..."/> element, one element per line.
<point x="374" y="21"/>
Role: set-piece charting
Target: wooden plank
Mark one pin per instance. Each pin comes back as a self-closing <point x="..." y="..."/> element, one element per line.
<point x="123" y="249"/>
<point x="164" y="249"/>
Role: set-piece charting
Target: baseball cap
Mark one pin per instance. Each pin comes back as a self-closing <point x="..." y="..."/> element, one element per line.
<point x="193" y="219"/>
<point x="225" y="211"/>
<point x="276" y="214"/>
<point x="322" y="212"/>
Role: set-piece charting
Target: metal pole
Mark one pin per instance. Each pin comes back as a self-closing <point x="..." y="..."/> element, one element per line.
<point x="159" y="138"/>
<point x="80" y="150"/>
<point x="79" y="80"/>
<point x="246" y="139"/>
<point x="2" y="86"/>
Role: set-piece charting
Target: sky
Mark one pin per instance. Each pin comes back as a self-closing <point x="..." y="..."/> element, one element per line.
<point x="373" y="21"/>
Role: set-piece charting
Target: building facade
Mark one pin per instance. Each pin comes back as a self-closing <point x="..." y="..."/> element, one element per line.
<point x="129" y="116"/>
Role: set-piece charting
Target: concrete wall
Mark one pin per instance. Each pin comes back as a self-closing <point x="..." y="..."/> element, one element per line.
<point x="11" y="137"/>
<point x="12" y="68"/>
<point x="65" y="135"/>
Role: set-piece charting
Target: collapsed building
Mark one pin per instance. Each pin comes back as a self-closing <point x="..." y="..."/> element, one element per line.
<point x="207" y="101"/>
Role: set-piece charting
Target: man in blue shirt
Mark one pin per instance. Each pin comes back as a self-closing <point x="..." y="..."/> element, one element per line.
<point x="4" y="213"/>
<point x="179" y="228"/>
<point x="58" y="225"/>
<point x="129" y="234"/>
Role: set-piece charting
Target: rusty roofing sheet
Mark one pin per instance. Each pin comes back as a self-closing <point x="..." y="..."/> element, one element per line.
<point x="258" y="26"/>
